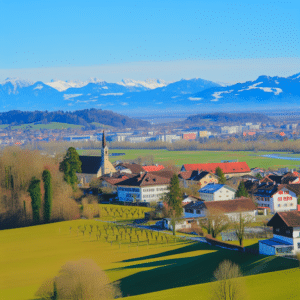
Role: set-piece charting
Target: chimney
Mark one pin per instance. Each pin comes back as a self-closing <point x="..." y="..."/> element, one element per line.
<point x="110" y="174"/>
<point x="274" y="183"/>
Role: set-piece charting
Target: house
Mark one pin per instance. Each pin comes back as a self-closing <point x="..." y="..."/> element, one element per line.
<point x="217" y="192"/>
<point x="229" y="168"/>
<point x="287" y="178"/>
<point x="232" y="209"/>
<point x="180" y="224"/>
<point x="277" y="197"/>
<point x="286" y="235"/>
<point x="202" y="178"/>
<point x="144" y="187"/>
<point x="111" y="180"/>
<point x="95" y="166"/>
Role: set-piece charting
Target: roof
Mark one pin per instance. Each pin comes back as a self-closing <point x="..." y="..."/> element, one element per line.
<point x="153" y="168"/>
<point x="290" y="218"/>
<point x="195" y="205"/>
<point x="211" y="188"/>
<point x="145" y="179"/>
<point x="163" y="173"/>
<point x="228" y="206"/>
<point x="228" y="167"/>
<point x="134" y="168"/>
<point x="116" y="177"/>
<point x="275" y="242"/>
<point x="90" y="164"/>
<point x="294" y="188"/>
<point x="194" y="175"/>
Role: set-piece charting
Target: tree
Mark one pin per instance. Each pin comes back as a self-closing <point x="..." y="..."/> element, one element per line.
<point x="258" y="176"/>
<point x="174" y="201"/>
<point x="48" y="195"/>
<point x="241" y="191"/>
<point x="35" y="195"/>
<point x="220" y="174"/>
<point x="228" y="287"/>
<point x="239" y="226"/>
<point x="79" y="280"/>
<point x="215" y="223"/>
<point x="69" y="166"/>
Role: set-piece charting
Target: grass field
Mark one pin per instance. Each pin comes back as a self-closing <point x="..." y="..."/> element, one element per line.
<point x="189" y="157"/>
<point x="174" y="270"/>
<point x="52" y="125"/>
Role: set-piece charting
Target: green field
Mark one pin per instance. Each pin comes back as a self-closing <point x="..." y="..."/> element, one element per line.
<point x="52" y="125"/>
<point x="163" y="269"/>
<point x="189" y="157"/>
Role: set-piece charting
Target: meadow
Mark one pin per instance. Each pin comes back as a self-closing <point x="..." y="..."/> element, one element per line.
<point x="147" y="265"/>
<point x="179" y="158"/>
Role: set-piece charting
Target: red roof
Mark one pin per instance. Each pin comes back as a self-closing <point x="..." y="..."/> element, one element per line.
<point x="228" y="167"/>
<point x="189" y="136"/>
<point x="153" y="168"/>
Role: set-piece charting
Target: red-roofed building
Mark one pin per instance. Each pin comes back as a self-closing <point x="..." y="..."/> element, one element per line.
<point x="189" y="136"/>
<point x="154" y="168"/>
<point x="230" y="169"/>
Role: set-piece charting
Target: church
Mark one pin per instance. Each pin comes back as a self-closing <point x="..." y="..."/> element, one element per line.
<point x="95" y="166"/>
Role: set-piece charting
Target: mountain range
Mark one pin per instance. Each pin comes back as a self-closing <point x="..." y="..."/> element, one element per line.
<point x="153" y="96"/>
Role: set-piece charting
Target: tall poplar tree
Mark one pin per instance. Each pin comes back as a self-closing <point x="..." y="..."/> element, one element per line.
<point x="69" y="166"/>
<point x="174" y="201"/>
<point x="220" y="174"/>
<point x="48" y="195"/>
<point x="35" y="195"/>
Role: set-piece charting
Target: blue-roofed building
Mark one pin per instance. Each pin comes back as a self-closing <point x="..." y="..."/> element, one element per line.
<point x="217" y="192"/>
<point x="286" y="235"/>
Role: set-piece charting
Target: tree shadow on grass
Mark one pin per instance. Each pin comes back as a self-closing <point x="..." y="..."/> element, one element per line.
<point x="185" y="271"/>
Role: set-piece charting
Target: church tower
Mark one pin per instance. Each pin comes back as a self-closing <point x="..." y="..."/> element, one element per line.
<point x="105" y="167"/>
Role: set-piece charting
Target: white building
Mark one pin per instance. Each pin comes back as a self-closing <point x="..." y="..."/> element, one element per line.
<point x="144" y="187"/>
<point x="277" y="198"/>
<point x="286" y="235"/>
<point x="217" y="192"/>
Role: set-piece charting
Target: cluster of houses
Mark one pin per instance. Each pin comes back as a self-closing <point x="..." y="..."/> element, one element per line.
<point x="275" y="193"/>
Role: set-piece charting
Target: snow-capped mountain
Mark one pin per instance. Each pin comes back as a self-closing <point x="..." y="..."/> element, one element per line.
<point x="148" y="83"/>
<point x="140" y="97"/>
<point x="61" y="85"/>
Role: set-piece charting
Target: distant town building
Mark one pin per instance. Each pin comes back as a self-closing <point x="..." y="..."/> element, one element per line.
<point x="217" y="192"/>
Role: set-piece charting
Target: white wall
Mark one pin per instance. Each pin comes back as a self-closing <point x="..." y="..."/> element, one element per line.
<point x="221" y="194"/>
<point x="287" y="201"/>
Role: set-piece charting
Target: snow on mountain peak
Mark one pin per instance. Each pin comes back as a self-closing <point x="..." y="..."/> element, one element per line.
<point x="61" y="85"/>
<point x="17" y="82"/>
<point x="148" y="83"/>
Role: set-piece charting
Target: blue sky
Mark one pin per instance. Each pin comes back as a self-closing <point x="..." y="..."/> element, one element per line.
<point x="224" y="41"/>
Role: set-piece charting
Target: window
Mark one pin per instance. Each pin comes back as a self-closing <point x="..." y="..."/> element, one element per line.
<point x="278" y="205"/>
<point x="277" y="230"/>
<point x="298" y="245"/>
<point x="198" y="211"/>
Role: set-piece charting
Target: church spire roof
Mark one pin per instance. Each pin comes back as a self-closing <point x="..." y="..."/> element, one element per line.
<point x="103" y="140"/>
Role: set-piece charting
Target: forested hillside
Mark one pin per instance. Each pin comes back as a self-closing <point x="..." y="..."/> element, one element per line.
<point x="79" y="117"/>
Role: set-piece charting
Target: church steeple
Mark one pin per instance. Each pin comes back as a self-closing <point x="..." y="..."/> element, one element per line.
<point x="103" y="140"/>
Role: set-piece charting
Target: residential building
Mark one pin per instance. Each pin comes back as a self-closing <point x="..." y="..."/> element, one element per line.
<point x="276" y="197"/>
<point x="202" y="178"/>
<point x="229" y="168"/>
<point x="286" y="235"/>
<point x="145" y="187"/>
<point x="232" y="209"/>
<point x="217" y="192"/>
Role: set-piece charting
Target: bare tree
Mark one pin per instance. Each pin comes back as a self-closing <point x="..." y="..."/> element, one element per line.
<point x="239" y="225"/>
<point x="215" y="223"/>
<point x="79" y="280"/>
<point x="228" y="287"/>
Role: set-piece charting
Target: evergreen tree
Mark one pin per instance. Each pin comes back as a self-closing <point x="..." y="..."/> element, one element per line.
<point x="221" y="175"/>
<point x="174" y="200"/>
<point x="35" y="195"/>
<point x="69" y="166"/>
<point x="241" y="191"/>
<point x="48" y="195"/>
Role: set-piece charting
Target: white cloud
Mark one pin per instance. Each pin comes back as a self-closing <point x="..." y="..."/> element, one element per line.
<point x="194" y="99"/>
<point x="71" y="96"/>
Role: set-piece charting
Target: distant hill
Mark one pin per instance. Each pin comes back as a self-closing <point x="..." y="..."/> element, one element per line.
<point x="86" y="117"/>
<point x="229" y="118"/>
